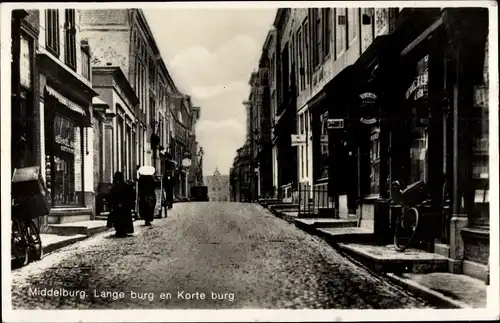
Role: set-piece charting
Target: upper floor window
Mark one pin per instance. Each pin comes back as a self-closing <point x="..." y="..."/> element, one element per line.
<point x="70" y="38"/>
<point x="352" y="24"/>
<point x="85" y="63"/>
<point x="327" y="31"/>
<point x="317" y="37"/>
<point x="152" y="74"/>
<point x="52" y="31"/>
<point x="341" y="33"/>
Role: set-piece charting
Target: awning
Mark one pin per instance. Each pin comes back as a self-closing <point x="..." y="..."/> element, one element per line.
<point x="66" y="102"/>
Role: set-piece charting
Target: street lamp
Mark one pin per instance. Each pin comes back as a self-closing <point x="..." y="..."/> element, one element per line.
<point x="186" y="163"/>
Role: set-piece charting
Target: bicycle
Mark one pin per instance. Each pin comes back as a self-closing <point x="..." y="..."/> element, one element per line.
<point x="407" y="222"/>
<point x="26" y="243"/>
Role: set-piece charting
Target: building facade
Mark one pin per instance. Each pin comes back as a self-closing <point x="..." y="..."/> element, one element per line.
<point x="218" y="187"/>
<point x="65" y="116"/>
<point x="122" y="38"/>
<point x="378" y="95"/>
<point x="117" y="125"/>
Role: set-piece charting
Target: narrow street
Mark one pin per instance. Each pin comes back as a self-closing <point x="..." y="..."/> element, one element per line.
<point x="246" y="256"/>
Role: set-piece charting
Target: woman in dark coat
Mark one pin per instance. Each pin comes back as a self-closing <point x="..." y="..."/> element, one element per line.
<point x="147" y="198"/>
<point x="122" y="198"/>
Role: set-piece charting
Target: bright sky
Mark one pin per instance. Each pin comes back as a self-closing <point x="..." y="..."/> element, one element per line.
<point x="210" y="54"/>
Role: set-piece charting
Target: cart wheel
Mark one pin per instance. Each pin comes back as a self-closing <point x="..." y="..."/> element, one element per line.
<point x="19" y="245"/>
<point x="36" y="250"/>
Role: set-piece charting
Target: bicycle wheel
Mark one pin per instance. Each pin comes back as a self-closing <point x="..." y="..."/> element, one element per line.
<point x="19" y="245"/>
<point x="34" y="240"/>
<point x="406" y="228"/>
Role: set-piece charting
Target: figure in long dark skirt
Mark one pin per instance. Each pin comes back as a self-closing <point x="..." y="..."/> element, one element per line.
<point x="147" y="198"/>
<point x="121" y="199"/>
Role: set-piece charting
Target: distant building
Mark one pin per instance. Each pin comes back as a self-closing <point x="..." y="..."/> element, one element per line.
<point x="218" y="187"/>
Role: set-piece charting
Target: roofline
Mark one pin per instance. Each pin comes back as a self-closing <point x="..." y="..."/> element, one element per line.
<point x="117" y="72"/>
<point x="280" y="13"/>
<point x="156" y="50"/>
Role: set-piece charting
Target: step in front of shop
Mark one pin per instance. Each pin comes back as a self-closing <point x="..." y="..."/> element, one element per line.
<point x="69" y="215"/>
<point x="384" y="258"/>
<point x="87" y="228"/>
<point x="325" y="223"/>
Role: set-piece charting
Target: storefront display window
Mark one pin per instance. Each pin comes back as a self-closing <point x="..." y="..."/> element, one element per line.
<point x="417" y="95"/>
<point x="375" y="161"/>
<point x="418" y="155"/>
<point x="65" y="162"/>
<point x="324" y="146"/>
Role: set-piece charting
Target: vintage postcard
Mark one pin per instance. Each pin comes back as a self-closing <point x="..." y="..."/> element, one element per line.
<point x="337" y="159"/>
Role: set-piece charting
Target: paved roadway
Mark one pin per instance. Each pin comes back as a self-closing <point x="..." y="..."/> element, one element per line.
<point x="239" y="254"/>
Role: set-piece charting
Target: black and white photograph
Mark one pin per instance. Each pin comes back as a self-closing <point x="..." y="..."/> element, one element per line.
<point x="331" y="158"/>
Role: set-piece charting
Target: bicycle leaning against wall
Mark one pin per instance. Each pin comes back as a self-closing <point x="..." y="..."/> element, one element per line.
<point x="28" y="204"/>
<point x="406" y="225"/>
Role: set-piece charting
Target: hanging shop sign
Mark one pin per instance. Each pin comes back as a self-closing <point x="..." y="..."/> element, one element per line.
<point x="368" y="108"/>
<point x="419" y="87"/>
<point x="298" y="140"/>
<point x="335" y="123"/>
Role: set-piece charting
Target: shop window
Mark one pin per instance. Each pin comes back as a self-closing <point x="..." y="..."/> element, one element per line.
<point x="65" y="158"/>
<point x="480" y="148"/>
<point x="418" y="155"/>
<point x="375" y="161"/>
<point x="323" y="169"/>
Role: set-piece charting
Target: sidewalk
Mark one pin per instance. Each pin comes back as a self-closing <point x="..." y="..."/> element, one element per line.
<point x="422" y="273"/>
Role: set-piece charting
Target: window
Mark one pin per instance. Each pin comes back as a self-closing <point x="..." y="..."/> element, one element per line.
<point x="152" y="116"/>
<point x="323" y="171"/>
<point x="317" y="38"/>
<point x="305" y="28"/>
<point x="152" y="74"/>
<point x="300" y="59"/>
<point x="327" y="22"/>
<point x="141" y="85"/>
<point x="85" y="64"/>
<point x="52" y="31"/>
<point x="375" y="161"/>
<point x="306" y="124"/>
<point x="25" y="62"/>
<point x="340" y="33"/>
<point x="70" y="38"/>
<point x="273" y="67"/>
<point x="64" y="153"/>
<point x="352" y="24"/>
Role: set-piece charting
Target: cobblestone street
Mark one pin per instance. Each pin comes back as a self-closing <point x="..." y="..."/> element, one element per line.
<point x="237" y="252"/>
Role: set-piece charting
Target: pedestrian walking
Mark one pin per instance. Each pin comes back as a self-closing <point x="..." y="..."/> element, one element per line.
<point x="121" y="199"/>
<point x="147" y="194"/>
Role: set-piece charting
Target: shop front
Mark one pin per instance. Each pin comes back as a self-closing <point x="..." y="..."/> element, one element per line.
<point x="427" y="89"/>
<point x="67" y="142"/>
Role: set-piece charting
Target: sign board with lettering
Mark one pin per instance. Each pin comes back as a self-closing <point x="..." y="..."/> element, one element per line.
<point x="298" y="140"/>
<point x="335" y="123"/>
<point x="368" y="108"/>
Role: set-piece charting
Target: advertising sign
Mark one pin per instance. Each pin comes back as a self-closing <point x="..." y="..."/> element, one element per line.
<point x="368" y="108"/>
<point x="335" y="123"/>
<point x="298" y="140"/>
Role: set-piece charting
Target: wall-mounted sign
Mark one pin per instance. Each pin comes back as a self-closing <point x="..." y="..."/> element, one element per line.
<point x="298" y="140"/>
<point x="368" y="108"/>
<point x="335" y="123"/>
